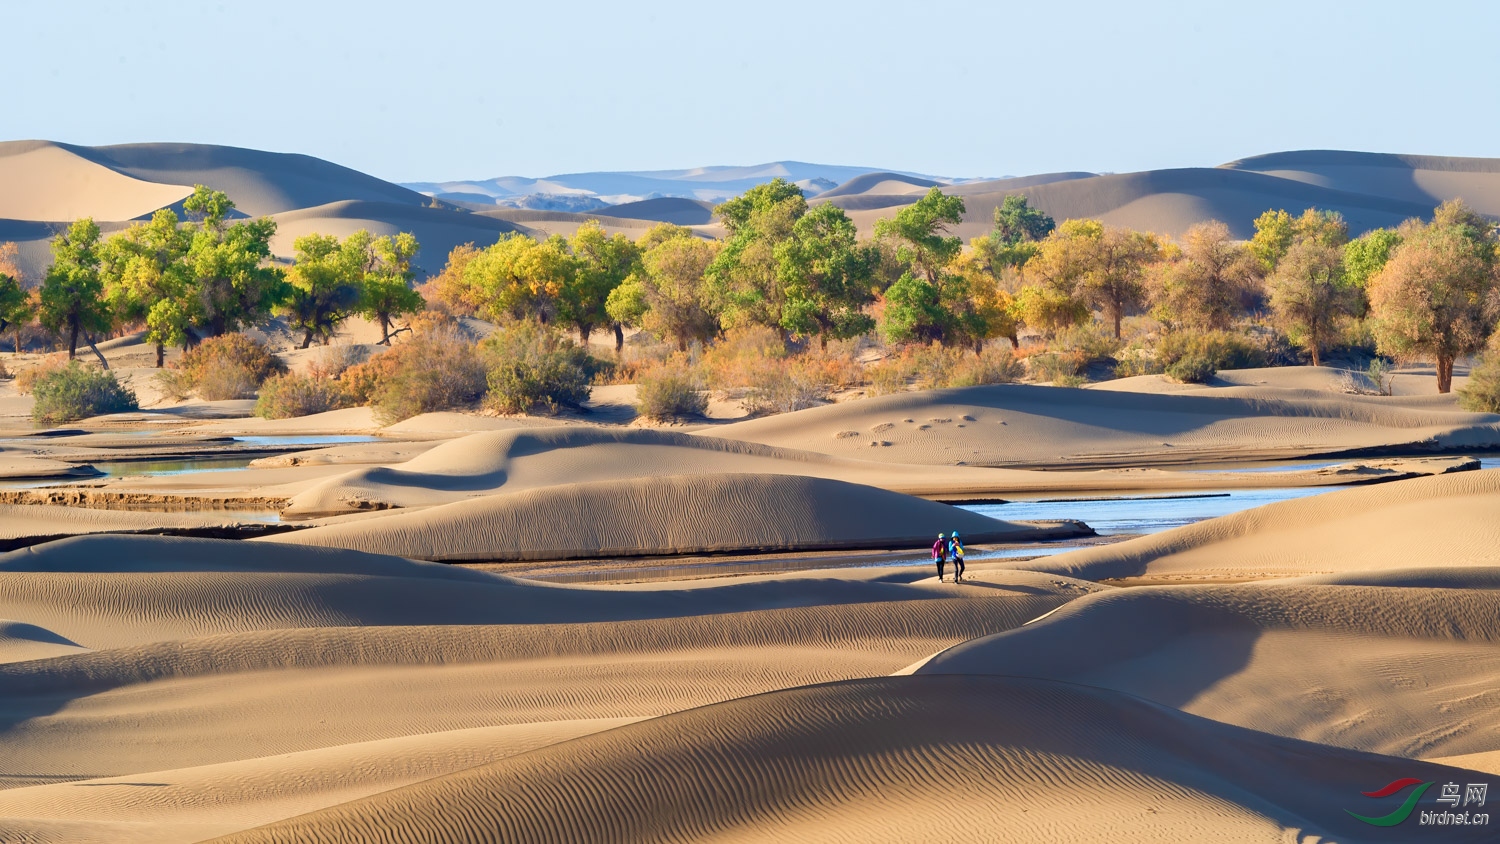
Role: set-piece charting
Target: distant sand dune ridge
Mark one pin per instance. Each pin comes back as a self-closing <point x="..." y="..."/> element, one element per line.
<point x="1025" y="425"/>
<point x="677" y="514"/>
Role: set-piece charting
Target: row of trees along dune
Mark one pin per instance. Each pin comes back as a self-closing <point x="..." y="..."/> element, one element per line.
<point x="206" y="276"/>
<point x="1425" y="289"/>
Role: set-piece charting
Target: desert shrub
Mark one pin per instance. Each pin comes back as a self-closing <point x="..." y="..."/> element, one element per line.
<point x="334" y="361"/>
<point x="1060" y="368"/>
<point x="1091" y="341"/>
<point x="231" y="366"/>
<point x="363" y="380"/>
<point x="887" y="377"/>
<point x="285" y="396"/>
<point x="1221" y="349"/>
<point x="1380" y="373"/>
<point x="779" y="386"/>
<point x="1137" y="359"/>
<point x="532" y="366"/>
<point x="671" y="391"/>
<point x="1195" y="368"/>
<point x="1482" y="393"/>
<point x="75" y="391"/>
<point x="437" y="369"/>
<point x="733" y="364"/>
<point x="5" y="373"/>
<point x="991" y="366"/>
<point x="173" y="383"/>
<point x="26" y="381"/>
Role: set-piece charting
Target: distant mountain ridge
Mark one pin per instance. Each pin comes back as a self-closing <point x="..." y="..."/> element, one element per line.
<point x="709" y="184"/>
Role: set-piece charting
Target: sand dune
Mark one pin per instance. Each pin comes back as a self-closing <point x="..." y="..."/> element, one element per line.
<point x="259" y="182"/>
<point x="1426" y="179"/>
<point x="675" y="514"/>
<point x="1452" y="520"/>
<point x="880" y="183"/>
<point x="1409" y="383"/>
<point x="897" y="759"/>
<point x="515" y="458"/>
<point x="23" y="524"/>
<point x="375" y="671"/>
<point x="670" y="209"/>
<point x="1406" y="668"/>
<point x="193" y="804"/>
<point x="1021" y="425"/>
<point x="45" y="182"/>
<point x="1169" y="201"/>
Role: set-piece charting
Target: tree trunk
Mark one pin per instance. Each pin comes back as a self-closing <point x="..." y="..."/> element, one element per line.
<point x="682" y="344"/>
<point x="619" y="339"/>
<point x="1317" y="358"/>
<point x="1445" y="373"/>
<point x="72" y="338"/>
<point x="979" y="348"/>
<point x="583" y="332"/>
<point x="385" y="329"/>
<point x="823" y="342"/>
<point x="18" y="339"/>
<point x="89" y="338"/>
<point x="307" y="338"/>
<point x="1119" y="317"/>
<point x="161" y="355"/>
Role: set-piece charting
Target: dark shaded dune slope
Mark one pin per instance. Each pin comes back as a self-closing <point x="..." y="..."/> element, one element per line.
<point x="1425" y="179"/>
<point x="894" y="759"/>
<point x="259" y="182"/>
<point x="676" y="210"/>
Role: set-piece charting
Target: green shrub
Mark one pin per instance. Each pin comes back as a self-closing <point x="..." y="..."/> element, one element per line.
<point x="670" y="392"/>
<point x="76" y="391"/>
<point x="285" y="396"/>
<point x="437" y="369"/>
<point x="1193" y="369"/>
<point x="532" y="366"/>
<point x="231" y="366"/>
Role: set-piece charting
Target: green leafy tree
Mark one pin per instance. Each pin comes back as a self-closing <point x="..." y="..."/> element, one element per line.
<point x="1112" y="264"/>
<point x="1018" y="227"/>
<point x="827" y="277"/>
<point x="1366" y="255"/>
<point x="518" y="278"/>
<point x="387" y="292"/>
<point x="16" y="306"/>
<point x="1436" y="296"/>
<point x="72" y="296"/>
<point x="914" y="304"/>
<point x="1207" y="283"/>
<point x="228" y="265"/>
<point x="1275" y="232"/>
<point x="327" y="282"/>
<point x="146" y="279"/>
<point x="744" y="278"/>
<point x="603" y="262"/>
<point x="668" y="296"/>
<point x="1310" y="296"/>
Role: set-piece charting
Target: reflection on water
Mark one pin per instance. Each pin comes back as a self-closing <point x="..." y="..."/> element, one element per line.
<point x="130" y="468"/>
<point x="1145" y="514"/>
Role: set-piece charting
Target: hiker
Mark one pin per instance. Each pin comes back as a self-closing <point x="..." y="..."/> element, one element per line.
<point x="957" y="546"/>
<point x="940" y="554"/>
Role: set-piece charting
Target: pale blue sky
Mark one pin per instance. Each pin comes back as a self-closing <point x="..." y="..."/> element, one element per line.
<point x="447" y="90"/>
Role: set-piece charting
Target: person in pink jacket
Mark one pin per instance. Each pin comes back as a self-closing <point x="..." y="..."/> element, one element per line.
<point x="940" y="554"/>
